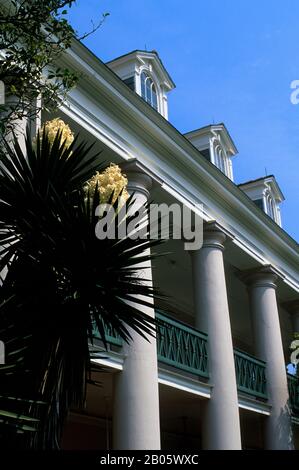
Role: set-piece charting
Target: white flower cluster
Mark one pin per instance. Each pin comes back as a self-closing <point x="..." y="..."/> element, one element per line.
<point x="111" y="180"/>
<point x="58" y="125"/>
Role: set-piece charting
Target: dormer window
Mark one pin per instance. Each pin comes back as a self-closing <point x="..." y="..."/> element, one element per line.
<point x="216" y="145"/>
<point x="259" y="203"/>
<point x="220" y="159"/>
<point x="271" y="207"/>
<point x="145" y="74"/>
<point x="148" y="90"/>
<point x="266" y="194"/>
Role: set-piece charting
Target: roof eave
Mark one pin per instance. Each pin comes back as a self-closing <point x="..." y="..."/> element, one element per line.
<point x="173" y="134"/>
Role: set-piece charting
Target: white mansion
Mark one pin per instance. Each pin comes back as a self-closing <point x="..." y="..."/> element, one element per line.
<point x="216" y="376"/>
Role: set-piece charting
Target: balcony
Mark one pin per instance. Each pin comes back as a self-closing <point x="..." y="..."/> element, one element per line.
<point x="293" y="383"/>
<point x="251" y="374"/>
<point x="181" y="346"/>
<point x="112" y="338"/>
<point x="185" y="348"/>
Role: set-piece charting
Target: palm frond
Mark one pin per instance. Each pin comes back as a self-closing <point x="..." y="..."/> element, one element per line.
<point x="61" y="281"/>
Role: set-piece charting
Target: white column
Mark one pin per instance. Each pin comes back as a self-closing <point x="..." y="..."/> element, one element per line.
<point x="221" y="424"/>
<point x="36" y="121"/>
<point x="20" y="125"/>
<point x="136" y="422"/>
<point x="19" y="131"/>
<point x="269" y="348"/>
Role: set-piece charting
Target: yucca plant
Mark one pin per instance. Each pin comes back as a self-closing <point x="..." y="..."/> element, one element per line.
<point x="60" y="281"/>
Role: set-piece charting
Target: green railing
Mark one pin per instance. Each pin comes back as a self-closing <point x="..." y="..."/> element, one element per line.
<point x="250" y="373"/>
<point x="110" y="334"/>
<point x="185" y="348"/>
<point x="293" y="383"/>
<point x="181" y="346"/>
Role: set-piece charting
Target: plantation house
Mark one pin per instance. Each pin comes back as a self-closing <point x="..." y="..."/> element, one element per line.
<point x="216" y="376"/>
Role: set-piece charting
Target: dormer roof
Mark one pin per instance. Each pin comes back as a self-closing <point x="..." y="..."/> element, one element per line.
<point x="142" y="56"/>
<point x="264" y="181"/>
<point x="213" y="129"/>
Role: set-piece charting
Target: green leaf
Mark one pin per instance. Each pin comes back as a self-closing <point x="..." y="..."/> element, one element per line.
<point x="9" y="414"/>
<point x="62" y="281"/>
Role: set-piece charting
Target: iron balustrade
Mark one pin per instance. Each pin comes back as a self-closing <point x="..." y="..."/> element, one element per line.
<point x="250" y="374"/>
<point x="181" y="346"/>
<point x="185" y="348"/>
<point x="110" y="335"/>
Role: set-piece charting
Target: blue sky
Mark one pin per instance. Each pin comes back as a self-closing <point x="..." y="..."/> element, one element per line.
<point x="232" y="61"/>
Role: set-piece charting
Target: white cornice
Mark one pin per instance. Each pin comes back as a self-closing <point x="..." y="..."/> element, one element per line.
<point x="163" y="149"/>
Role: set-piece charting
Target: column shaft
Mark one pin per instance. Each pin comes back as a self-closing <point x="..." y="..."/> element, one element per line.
<point x="221" y="426"/>
<point x="268" y="344"/>
<point x="136" y="423"/>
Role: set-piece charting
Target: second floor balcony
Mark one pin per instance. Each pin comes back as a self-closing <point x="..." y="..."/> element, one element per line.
<point x="185" y="349"/>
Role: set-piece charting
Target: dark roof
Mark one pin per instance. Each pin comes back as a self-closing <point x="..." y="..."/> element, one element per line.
<point x="257" y="179"/>
<point x="276" y="185"/>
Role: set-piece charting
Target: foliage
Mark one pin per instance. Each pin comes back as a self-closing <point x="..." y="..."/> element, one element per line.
<point x="61" y="280"/>
<point x="33" y="35"/>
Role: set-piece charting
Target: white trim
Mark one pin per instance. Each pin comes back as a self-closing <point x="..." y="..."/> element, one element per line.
<point x="254" y="408"/>
<point x="251" y="404"/>
<point x="176" y="161"/>
<point x="197" y="209"/>
<point x="112" y="361"/>
<point x="150" y="73"/>
<point x="145" y="57"/>
<point x="186" y="384"/>
<point x="98" y="129"/>
<point x="250" y="251"/>
<point x="214" y="129"/>
<point x="95" y="130"/>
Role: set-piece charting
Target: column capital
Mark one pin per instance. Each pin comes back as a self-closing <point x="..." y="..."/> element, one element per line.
<point x="263" y="276"/>
<point x="138" y="179"/>
<point x="215" y="236"/>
